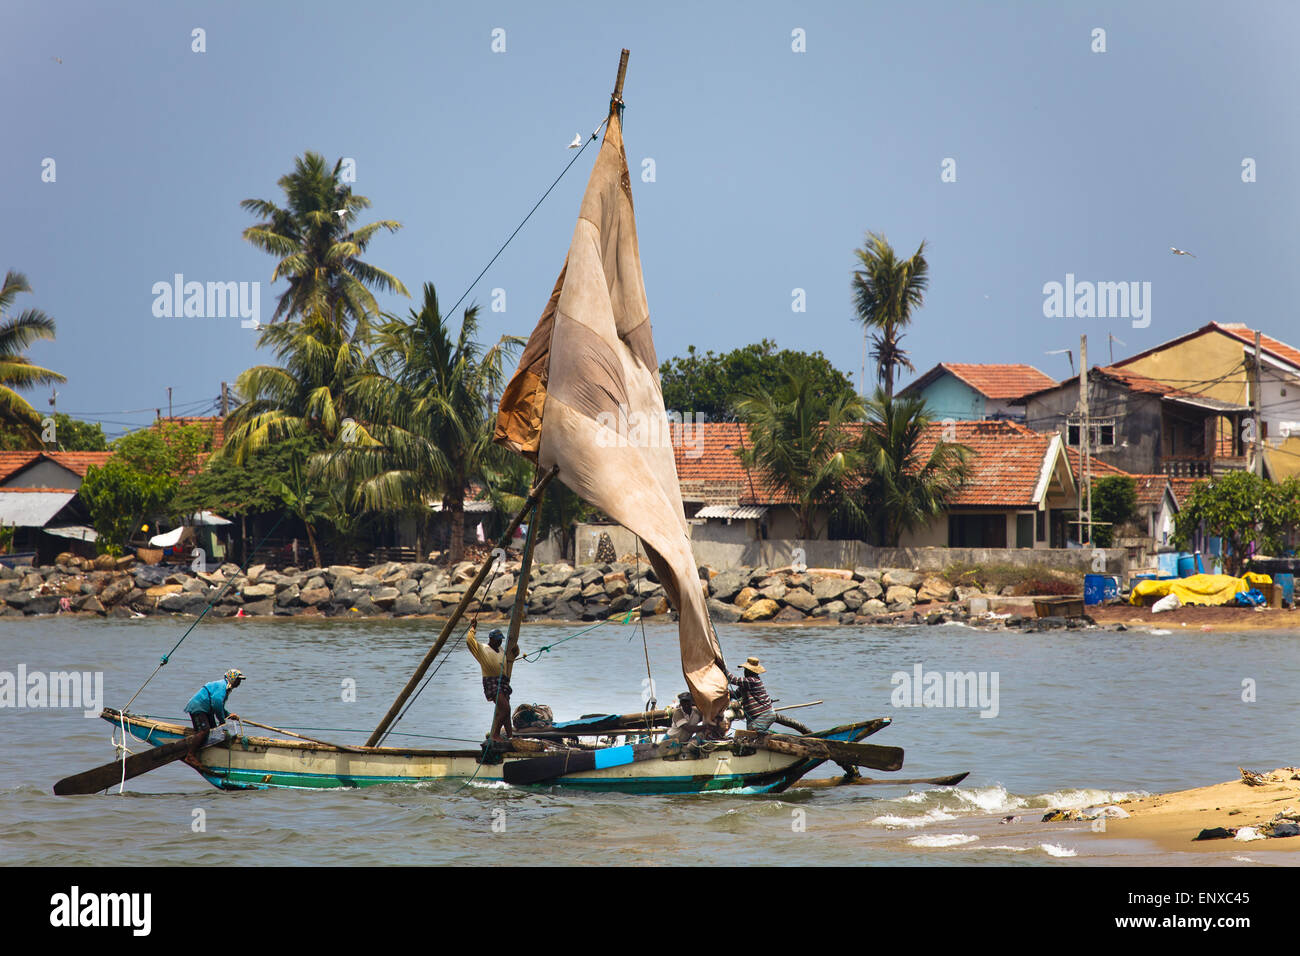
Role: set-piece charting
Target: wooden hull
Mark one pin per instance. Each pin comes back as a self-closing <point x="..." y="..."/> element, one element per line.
<point x="262" y="763"/>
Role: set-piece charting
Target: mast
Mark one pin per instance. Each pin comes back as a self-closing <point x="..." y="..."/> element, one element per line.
<point x="447" y="628"/>
<point x="521" y="602"/>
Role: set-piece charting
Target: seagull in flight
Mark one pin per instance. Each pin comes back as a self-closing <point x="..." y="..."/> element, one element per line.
<point x="57" y="59"/>
<point x="1179" y="252"/>
<point x="577" y="141"/>
<point x="340" y="213"/>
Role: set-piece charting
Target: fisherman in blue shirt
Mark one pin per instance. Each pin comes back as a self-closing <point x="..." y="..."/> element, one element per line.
<point x="207" y="708"/>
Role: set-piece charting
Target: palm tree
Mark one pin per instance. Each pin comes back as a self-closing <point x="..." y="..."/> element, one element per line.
<point x="300" y="407"/>
<point x="885" y="291"/>
<point x="802" y="445"/>
<point x="318" y="249"/>
<point x="16" y="371"/>
<point x="903" y="489"/>
<point x="306" y="395"/>
<point x="426" y="404"/>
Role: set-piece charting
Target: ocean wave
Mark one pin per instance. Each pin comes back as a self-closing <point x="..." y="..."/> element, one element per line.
<point x="941" y="840"/>
<point x="893" y="821"/>
<point x="1054" y="849"/>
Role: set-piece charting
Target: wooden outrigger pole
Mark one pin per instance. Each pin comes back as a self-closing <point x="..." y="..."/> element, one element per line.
<point x="447" y="628"/>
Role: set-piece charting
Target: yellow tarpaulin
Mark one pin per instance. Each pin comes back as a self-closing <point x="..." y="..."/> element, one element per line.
<point x="1212" y="589"/>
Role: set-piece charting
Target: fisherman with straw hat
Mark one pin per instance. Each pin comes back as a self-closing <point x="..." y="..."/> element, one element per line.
<point x="753" y="696"/>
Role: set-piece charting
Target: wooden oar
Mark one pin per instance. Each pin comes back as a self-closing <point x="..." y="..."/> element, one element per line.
<point x="817" y="748"/>
<point x="949" y="781"/>
<point x="310" y="740"/>
<point x="101" y="778"/>
<point x="540" y="769"/>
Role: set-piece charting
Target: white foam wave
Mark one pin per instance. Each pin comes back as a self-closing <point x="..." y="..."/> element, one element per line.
<point x="1053" y="849"/>
<point x="939" y="840"/>
<point x="893" y="821"/>
<point x="1013" y="849"/>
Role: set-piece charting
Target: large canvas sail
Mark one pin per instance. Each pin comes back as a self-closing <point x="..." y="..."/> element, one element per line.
<point x="586" y="397"/>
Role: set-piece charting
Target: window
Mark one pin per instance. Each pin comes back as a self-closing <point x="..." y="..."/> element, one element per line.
<point x="1042" y="525"/>
<point x="1102" y="435"/>
<point x="977" y="531"/>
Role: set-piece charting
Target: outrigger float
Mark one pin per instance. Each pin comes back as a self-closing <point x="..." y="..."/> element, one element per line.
<point x="589" y="362"/>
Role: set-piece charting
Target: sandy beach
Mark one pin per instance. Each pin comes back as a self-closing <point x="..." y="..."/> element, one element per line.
<point x="1173" y="820"/>
<point x="1201" y="618"/>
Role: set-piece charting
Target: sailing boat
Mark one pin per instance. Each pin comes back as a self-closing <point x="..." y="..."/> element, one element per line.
<point x="589" y="364"/>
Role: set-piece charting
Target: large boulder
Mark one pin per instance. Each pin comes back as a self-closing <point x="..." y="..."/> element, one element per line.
<point x="934" y="588"/>
<point x="774" y="592"/>
<point x="853" y="598"/>
<point x="162" y="590"/>
<point x="312" y="597"/>
<point x="898" y="593"/>
<point x="289" y="596"/>
<point x="105" y="562"/>
<point x="872" y="608"/>
<point x="763" y="609"/>
<point x="256" y="592"/>
<point x="801" y="600"/>
<point x="658" y="605"/>
<point x="828" y="588"/>
<point x="745" y="598"/>
<point x="385" y="598"/>
<point x="788" y="615"/>
<point x="726" y="585"/>
<point x="902" y="578"/>
<point x="721" y="611"/>
<point x="406" y="604"/>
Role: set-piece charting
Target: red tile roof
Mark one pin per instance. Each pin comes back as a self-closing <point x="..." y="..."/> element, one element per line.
<point x="1183" y="488"/>
<point x="12" y="462"/>
<point x="1000" y="381"/>
<point x="1150" y="490"/>
<point x="1099" y="468"/>
<point x="1006" y="464"/>
<point x="1269" y="344"/>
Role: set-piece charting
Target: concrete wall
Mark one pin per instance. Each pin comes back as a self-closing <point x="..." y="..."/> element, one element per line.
<point x="1137" y="418"/>
<point x="723" y="551"/>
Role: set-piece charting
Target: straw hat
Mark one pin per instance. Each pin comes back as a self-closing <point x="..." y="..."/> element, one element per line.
<point x="753" y="666"/>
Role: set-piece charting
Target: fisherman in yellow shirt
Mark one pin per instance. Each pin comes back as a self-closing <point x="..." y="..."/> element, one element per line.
<point x="496" y="686"/>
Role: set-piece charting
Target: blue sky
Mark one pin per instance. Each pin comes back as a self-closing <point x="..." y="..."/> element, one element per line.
<point x="770" y="166"/>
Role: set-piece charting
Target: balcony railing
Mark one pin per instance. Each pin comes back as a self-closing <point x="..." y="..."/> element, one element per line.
<point x="1188" y="466"/>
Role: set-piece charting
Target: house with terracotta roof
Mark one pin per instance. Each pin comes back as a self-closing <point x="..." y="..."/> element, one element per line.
<point x="1158" y="503"/>
<point x="1022" y="492"/>
<point x="1217" y="362"/>
<point x="966" y="392"/>
<point x="1141" y="425"/>
<point x="38" y="498"/>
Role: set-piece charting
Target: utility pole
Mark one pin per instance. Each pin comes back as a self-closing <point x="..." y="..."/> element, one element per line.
<point x="1085" y="430"/>
<point x="1259" y="444"/>
<point x="169" y="402"/>
<point x="225" y="400"/>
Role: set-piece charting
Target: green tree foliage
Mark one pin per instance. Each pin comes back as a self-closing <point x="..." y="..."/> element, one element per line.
<point x="318" y="247"/>
<point x="306" y="395"/>
<point x="1114" y="501"/>
<point x="885" y="291"/>
<point x="898" y="488"/>
<point x="428" y="425"/>
<point x="712" y="385"/>
<point x="1242" y="509"/>
<point x="165" y="448"/>
<point x="120" y="496"/>
<point x="17" y="333"/>
<point x="508" y="483"/>
<point x="75" y="435"/>
<point x="801" y="443"/>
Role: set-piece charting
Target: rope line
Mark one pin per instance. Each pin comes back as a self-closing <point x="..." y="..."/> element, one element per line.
<point x="166" y="657"/>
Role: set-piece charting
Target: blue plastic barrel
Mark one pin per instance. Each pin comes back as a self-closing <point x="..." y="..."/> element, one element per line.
<point x="1186" y="565"/>
<point x="1099" y="588"/>
<point x="1287" y="583"/>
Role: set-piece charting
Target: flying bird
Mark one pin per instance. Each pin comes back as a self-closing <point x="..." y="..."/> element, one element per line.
<point x="340" y="213"/>
<point x="1179" y="252"/>
<point x="57" y="59"/>
<point x="577" y="141"/>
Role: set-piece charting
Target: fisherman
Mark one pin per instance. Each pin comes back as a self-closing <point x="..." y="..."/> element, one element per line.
<point x="207" y="708"/>
<point x="687" y="721"/>
<point x="496" y="685"/>
<point x="753" y="696"/>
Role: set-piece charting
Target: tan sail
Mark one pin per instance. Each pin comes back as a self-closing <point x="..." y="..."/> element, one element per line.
<point x="586" y="397"/>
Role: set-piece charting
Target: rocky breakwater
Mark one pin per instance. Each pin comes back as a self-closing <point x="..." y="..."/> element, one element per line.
<point x="122" y="588"/>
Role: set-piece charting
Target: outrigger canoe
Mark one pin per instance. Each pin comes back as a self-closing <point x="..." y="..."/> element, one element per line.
<point x="235" y="761"/>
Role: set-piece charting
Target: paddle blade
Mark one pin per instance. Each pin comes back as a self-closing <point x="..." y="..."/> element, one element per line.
<point x="101" y="778"/>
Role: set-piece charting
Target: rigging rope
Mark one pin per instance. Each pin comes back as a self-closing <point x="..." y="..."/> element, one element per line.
<point x="521" y="225"/>
<point x="166" y="657"/>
